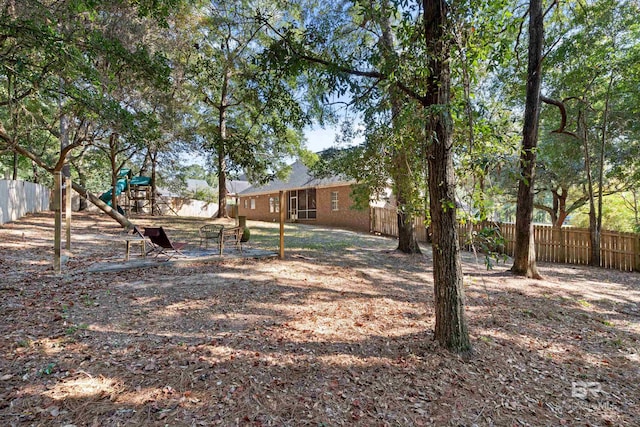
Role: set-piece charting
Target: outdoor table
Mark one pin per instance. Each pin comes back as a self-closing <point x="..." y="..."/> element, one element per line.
<point x="134" y="239"/>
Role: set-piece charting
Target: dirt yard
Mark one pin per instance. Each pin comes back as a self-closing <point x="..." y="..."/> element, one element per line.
<point x="337" y="334"/>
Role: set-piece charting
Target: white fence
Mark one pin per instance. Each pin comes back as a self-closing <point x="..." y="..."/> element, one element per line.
<point x="18" y="198"/>
<point x="187" y="207"/>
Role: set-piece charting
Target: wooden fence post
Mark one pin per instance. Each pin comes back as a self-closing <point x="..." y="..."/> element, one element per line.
<point x="371" y="222"/>
<point x="57" y="238"/>
<point x="558" y="243"/>
<point x="636" y="253"/>
<point x="67" y="216"/>
<point x="282" y="218"/>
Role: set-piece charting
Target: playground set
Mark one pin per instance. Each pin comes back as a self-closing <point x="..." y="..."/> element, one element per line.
<point x="133" y="194"/>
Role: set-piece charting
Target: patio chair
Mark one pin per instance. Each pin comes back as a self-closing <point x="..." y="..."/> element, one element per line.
<point x="210" y="232"/>
<point x="161" y="244"/>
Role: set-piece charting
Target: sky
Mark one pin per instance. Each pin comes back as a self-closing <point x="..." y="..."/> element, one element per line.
<point x="319" y="139"/>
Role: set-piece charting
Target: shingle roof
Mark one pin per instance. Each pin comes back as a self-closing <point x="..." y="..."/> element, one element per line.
<point x="300" y="177"/>
<point x="233" y="187"/>
<point x="237" y="186"/>
<point x="197" y="184"/>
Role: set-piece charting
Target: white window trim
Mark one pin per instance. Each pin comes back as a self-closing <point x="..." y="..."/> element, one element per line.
<point x="274" y="204"/>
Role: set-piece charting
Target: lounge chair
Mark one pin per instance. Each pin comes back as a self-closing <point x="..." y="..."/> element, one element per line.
<point x="161" y="243"/>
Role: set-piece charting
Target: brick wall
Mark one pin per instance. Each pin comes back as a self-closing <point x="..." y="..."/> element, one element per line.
<point x="261" y="211"/>
<point x="344" y="217"/>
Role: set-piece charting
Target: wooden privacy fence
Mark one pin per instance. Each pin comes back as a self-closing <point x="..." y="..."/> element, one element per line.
<point x="569" y="245"/>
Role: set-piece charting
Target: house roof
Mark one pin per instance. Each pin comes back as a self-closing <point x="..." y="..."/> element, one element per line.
<point x="237" y="186"/>
<point x="299" y="178"/>
<point x="193" y="185"/>
<point x="197" y="184"/>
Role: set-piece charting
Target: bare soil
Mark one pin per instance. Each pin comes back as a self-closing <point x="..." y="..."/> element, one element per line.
<point x="338" y="333"/>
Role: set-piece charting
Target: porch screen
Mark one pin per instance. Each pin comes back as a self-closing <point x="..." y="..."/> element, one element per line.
<point x="306" y="203"/>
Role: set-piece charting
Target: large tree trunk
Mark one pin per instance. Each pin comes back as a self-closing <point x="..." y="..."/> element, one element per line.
<point x="79" y="164"/>
<point x="594" y="239"/>
<point x="406" y="193"/>
<point x="14" y="123"/>
<point x="222" y="182"/>
<point x="82" y="178"/>
<point x="451" y="327"/>
<point x="36" y="175"/>
<point x="597" y="221"/>
<point x="154" y="189"/>
<point x="594" y="229"/>
<point x="404" y="181"/>
<point x="14" y="175"/>
<point x="560" y="206"/>
<point x="524" y="263"/>
<point x="64" y="143"/>
<point x="114" y="170"/>
<point x="407" y="241"/>
<point x="222" y="154"/>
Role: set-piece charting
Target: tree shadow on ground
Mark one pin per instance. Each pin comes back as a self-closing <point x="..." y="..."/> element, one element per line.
<point x="311" y="342"/>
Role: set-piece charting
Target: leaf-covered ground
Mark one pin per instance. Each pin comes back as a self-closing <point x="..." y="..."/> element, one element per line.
<point x="338" y="333"/>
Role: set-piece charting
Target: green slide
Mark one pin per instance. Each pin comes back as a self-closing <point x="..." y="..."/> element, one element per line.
<point x="121" y="185"/>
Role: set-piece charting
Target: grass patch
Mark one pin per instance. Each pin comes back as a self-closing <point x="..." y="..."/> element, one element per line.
<point x="584" y="303"/>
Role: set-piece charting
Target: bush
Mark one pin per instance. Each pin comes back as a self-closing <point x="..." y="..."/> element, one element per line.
<point x="246" y="235"/>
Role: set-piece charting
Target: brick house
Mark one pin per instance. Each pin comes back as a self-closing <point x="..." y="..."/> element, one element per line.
<point x="318" y="201"/>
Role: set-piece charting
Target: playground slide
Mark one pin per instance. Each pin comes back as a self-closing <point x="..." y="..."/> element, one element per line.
<point x="121" y="185"/>
<point x="124" y="175"/>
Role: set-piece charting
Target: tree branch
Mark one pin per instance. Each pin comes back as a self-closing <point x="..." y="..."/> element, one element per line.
<point x="563" y="116"/>
<point x="13" y="146"/>
<point x="515" y="48"/>
<point x="63" y="154"/>
<point x="17" y="98"/>
<point x="348" y="70"/>
<point x="553" y="3"/>
<point x="543" y="208"/>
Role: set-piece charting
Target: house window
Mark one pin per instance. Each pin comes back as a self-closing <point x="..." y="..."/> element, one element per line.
<point x="334" y="200"/>
<point x="274" y="204"/>
<point x="246" y="203"/>
<point x="253" y="203"/>
<point x="302" y="204"/>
